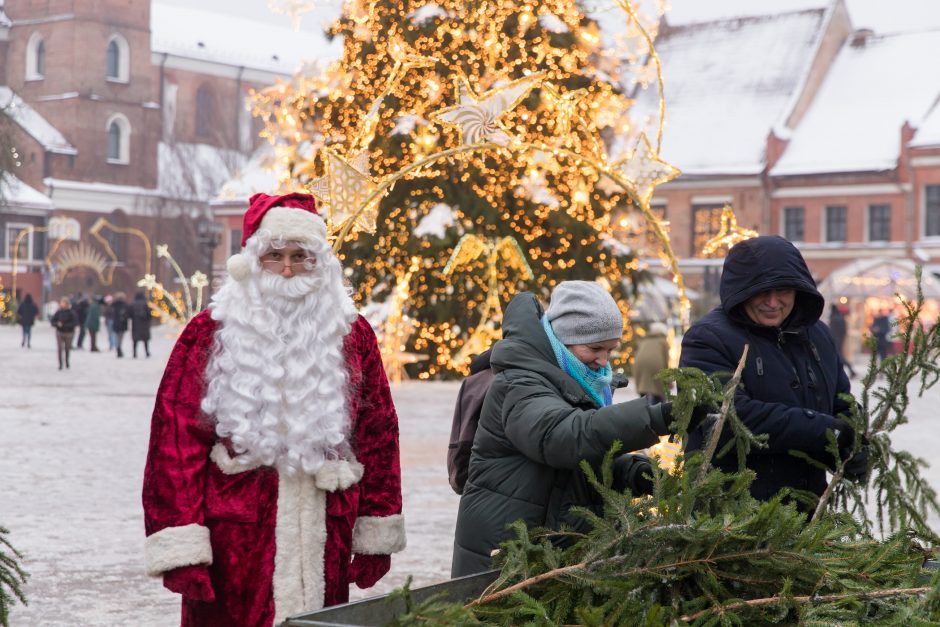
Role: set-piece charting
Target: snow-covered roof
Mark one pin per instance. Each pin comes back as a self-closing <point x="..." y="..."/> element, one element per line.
<point x="683" y="12"/>
<point x="16" y="193"/>
<point x="727" y="84"/>
<point x="33" y="123"/>
<point x="223" y="38"/>
<point x="259" y="174"/>
<point x="928" y="131"/>
<point x="854" y="122"/>
<point x="195" y="172"/>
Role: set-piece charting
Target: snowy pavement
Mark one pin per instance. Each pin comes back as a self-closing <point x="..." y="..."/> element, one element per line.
<point x="72" y="449"/>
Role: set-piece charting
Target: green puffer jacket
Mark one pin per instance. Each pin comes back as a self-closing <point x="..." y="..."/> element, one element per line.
<point x="536" y="426"/>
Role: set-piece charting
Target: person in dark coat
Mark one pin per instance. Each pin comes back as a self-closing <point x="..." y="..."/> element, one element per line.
<point x="80" y="305"/>
<point x="64" y="320"/>
<point x="140" y="322"/>
<point x="880" y="329"/>
<point x="793" y="376"/>
<point x="119" y="313"/>
<point x="549" y="407"/>
<point x="93" y="322"/>
<point x="839" y="329"/>
<point x="26" y="317"/>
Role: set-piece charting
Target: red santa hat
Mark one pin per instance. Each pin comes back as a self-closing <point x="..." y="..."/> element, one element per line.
<point x="291" y="217"/>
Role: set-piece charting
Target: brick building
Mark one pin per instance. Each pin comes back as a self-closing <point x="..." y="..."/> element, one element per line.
<point x="126" y="117"/>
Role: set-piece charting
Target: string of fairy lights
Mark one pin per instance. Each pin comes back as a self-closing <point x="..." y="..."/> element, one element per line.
<point x="510" y="100"/>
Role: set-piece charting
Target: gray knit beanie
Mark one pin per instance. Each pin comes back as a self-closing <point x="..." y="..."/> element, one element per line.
<point x="582" y="312"/>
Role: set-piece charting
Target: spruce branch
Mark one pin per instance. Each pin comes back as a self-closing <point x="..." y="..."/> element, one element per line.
<point x="12" y="578"/>
<point x="727" y="403"/>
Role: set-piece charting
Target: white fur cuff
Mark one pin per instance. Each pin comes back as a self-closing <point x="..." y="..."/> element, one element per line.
<point x="227" y="464"/>
<point x="177" y="546"/>
<point x="379" y="535"/>
<point x="338" y="474"/>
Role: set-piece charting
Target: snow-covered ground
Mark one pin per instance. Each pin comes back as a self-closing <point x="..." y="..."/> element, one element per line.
<point x="72" y="448"/>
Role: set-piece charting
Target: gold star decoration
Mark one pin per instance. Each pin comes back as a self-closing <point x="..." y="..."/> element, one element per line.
<point x="644" y="170"/>
<point x="728" y="234"/>
<point x="478" y="117"/>
<point x="344" y="190"/>
<point x="565" y="105"/>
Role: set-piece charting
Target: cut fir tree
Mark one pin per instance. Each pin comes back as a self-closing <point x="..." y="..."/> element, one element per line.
<point x="395" y="96"/>
<point x="702" y="551"/>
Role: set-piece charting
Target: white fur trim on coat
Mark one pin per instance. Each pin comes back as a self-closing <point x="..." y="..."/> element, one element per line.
<point x="379" y="535"/>
<point x="293" y="225"/>
<point x="177" y="546"/>
<point x="338" y="474"/>
<point x="228" y="464"/>
<point x="300" y="542"/>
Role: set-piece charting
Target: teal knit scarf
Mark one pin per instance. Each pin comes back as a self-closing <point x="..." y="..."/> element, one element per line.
<point x="595" y="383"/>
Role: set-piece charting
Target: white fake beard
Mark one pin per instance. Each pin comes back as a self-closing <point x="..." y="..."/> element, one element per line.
<point x="277" y="375"/>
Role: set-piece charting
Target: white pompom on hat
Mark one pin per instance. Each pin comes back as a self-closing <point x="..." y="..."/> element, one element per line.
<point x="291" y="217"/>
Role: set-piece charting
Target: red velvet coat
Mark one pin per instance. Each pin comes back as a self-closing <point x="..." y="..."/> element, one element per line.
<point x="270" y="544"/>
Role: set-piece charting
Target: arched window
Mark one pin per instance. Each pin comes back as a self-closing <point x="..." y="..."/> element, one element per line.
<point x="118" y="137"/>
<point x="35" y="58"/>
<point x="117" y="59"/>
<point x="203" y="110"/>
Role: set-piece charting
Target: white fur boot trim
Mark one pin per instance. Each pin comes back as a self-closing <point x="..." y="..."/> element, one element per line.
<point x="300" y="541"/>
<point x="379" y="535"/>
<point x="228" y="464"/>
<point x="338" y="474"/>
<point x="177" y="546"/>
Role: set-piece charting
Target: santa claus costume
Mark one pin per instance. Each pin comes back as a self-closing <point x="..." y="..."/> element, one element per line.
<point x="272" y="479"/>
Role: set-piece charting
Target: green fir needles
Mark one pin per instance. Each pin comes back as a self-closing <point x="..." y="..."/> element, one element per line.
<point x="12" y="577"/>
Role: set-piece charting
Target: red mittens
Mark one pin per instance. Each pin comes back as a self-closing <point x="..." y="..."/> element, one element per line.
<point x="366" y="570"/>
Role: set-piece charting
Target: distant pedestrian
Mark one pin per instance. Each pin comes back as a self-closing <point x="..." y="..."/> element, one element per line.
<point x="80" y="304"/>
<point x="64" y="320"/>
<point x="109" y="321"/>
<point x="652" y="355"/>
<point x="120" y="314"/>
<point x="93" y="322"/>
<point x="140" y="322"/>
<point x="26" y="316"/>
<point x="839" y="329"/>
<point x="880" y="329"/>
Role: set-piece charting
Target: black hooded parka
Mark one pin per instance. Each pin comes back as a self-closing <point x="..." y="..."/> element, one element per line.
<point x="793" y="376"/>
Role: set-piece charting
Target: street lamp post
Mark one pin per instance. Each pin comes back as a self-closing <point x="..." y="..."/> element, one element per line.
<point x="210" y="234"/>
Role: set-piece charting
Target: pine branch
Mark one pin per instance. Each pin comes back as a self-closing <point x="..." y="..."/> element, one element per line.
<point x="827" y="598"/>
<point x="726" y="405"/>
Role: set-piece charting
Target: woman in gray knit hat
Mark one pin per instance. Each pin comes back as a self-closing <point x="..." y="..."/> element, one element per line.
<point x="549" y="407"/>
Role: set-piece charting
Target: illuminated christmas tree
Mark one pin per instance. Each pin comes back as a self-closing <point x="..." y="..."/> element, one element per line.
<point x="533" y="86"/>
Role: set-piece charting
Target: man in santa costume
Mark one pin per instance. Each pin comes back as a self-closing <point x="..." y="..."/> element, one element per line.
<point x="273" y="479"/>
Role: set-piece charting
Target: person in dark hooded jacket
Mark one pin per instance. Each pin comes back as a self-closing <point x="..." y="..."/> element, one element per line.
<point x="140" y="322"/>
<point x="549" y="407"/>
<point x="793" y="375"/>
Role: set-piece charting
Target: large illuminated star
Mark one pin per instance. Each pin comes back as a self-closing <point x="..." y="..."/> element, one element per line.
<point x="643" y="170"/>
<point x="564" y="104"/>
<point x="729" y="234"/>
<point x="478" y="117"/>
<point x="344" y="190"/>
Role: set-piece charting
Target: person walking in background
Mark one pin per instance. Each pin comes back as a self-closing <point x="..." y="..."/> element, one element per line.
<point x="140" y="322"/>
<point x="880" y="328"/>
<point x="652" y="355"/>
<point x="80" y="304"/>
<point x="548" y="408"/>
<point x="839" y="329"/>
<point x="109" y="321"/>
<point x="26" y="316"/>
<point x="93" y="322"/>
<point x="64" y="320"/>
<point x="120" y="314"/>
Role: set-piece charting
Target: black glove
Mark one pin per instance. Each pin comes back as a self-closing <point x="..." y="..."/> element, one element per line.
<point x="633" y="472"/>
<point x="700" y="414"/>
<point x="855" y="465"/>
